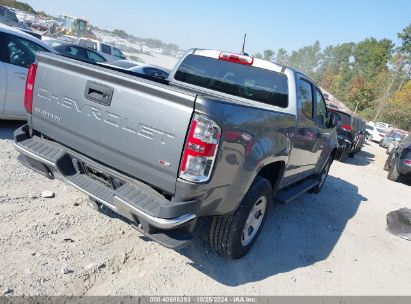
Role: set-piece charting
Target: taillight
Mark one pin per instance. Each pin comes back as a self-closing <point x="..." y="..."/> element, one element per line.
<point x="236" y="58"/>
<point x="382" y="135"/>
<point x="407" y="162"/>
<point x="28" y="95"/>
<point x="200" y="149"/>
<point x="346" y="127"/>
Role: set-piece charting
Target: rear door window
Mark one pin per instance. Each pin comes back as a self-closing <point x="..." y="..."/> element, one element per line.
<point x="235" y="79"/>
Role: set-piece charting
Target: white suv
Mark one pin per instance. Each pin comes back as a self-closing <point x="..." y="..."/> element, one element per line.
<point x="17" y="51"/>
<point x="376" y="134"/>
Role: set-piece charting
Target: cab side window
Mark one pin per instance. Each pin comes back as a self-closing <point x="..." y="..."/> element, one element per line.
<point x="321" y="115"/>
<point x="305" y="98"/>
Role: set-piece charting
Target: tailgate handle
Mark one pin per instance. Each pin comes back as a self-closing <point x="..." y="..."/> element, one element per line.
<point x="99" y="93"/>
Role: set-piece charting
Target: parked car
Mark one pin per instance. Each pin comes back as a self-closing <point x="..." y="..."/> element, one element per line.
<point x="375" y="134"/>
<point x="112" y="52"/>
<point x="80" y="53"/>
<point x="398" y="163"/>
<point x="349" y="134"/>
<point x="17" y="52"/>
<point x="392" y="136"/>
<point x="223" y="135"/>
<point x="138" y="69"/>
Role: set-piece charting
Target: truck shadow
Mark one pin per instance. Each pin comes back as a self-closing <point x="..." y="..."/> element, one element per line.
<point x="7" y="128"/>
<point x="361" y="158"/>
<point x="295" y="235"/>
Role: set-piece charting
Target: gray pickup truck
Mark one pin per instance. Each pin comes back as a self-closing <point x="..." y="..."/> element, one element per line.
<point x="220" y="138"/>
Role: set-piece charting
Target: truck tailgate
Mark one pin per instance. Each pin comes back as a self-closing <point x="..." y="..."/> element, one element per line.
<point x="132" y="125"/>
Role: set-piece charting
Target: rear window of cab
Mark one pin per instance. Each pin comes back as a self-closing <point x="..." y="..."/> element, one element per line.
<point x="235" y="79"/>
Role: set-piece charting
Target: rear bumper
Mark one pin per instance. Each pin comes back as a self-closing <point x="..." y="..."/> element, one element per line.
<point x="136" y="201"/>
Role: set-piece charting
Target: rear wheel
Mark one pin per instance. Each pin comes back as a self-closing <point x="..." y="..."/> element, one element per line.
<point x="344" y="155"/>
<point x="234" y="235"/>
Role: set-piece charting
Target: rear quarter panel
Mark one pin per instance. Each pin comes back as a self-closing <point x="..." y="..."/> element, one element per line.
<point x="251" y="138"/>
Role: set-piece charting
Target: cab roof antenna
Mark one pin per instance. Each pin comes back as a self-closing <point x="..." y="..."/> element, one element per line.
<point x="242" y="51"/>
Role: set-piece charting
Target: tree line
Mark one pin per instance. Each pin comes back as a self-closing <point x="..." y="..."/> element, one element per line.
<point x="372" y="77"/>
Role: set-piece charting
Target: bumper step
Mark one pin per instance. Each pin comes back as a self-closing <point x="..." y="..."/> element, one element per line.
<point x="129" y="197"/>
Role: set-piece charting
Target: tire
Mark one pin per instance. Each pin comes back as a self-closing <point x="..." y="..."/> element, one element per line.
<point x="344" y="155"/>
<point x="393" y="173"/>
<point x="351" y="155"/>
<point x="227" y="235"/>
<point x="322" y="177"/>
<point x="380" y="143"/>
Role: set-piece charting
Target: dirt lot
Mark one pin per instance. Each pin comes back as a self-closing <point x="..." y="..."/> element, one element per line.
<point x="334" y="243"/>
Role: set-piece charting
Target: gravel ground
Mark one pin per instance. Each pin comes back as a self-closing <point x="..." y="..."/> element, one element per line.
<point x="334" y="243"/>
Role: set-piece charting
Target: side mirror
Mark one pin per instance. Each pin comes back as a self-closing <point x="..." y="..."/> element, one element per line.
<point x="332" y="121"/>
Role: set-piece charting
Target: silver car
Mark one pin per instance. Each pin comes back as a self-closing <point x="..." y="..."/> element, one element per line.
<point x="393" y="136"/>
<point x="17" y="52"/>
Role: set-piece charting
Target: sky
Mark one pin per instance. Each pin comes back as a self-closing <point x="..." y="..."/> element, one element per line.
<point x="290" y="24"/>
